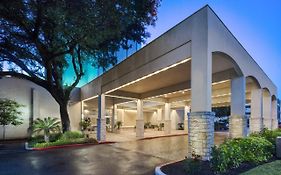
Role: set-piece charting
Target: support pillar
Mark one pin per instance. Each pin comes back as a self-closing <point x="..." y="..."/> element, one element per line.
<point x="274" y="114"/>
<point x="113" y="117"/>
<point x="34" y="110"/>
<point x="201" y="119"/>
<point x="237" y="120"/>
<point x="167" y="124"/>
<point x="140" y="120"/>
<point x="101" y="122"/>
<point x="256" y="111"/>
<point x="186" y="111"/>
<point x="123" y="116"/>
<point x="266" y="110"/>
<point x="159" y="115"/>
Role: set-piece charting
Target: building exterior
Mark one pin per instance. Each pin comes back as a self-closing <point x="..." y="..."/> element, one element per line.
<point x="178" y="78"/>
<point x="279" y="111"/>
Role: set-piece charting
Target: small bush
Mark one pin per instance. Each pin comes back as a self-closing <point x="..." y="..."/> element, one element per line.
<point x="234" y="152"/>
<point x="65" y="142"/>
<point x="268" y="135"/>
<point x="40" y="138"/>
<point x="193" y="165"/>
<point x="72" y="135"/>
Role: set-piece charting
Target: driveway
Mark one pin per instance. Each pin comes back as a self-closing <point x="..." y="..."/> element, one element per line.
<point x="137" y="157"/>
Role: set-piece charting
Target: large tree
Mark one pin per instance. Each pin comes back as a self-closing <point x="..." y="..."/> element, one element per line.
<point x="40" y="39"/>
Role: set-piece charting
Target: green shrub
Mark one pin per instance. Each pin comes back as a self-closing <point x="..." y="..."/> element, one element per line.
<point x="64" y="142"/>
<point x="40" y="138"/>
<point x="193" y="166"/>
<point x="234" y="152"/>
<point x="268" y="134"/>
<point x="72" y="135"/>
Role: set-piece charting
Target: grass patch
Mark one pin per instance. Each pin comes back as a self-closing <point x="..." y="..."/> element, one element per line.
<point x="272" y="168"/>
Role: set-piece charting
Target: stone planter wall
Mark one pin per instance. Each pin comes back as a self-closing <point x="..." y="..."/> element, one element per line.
<point x="237" y="126"/>
<point x="201" y="134"/>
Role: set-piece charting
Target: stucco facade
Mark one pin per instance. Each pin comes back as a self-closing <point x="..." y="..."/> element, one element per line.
<point x="38" y="103"/>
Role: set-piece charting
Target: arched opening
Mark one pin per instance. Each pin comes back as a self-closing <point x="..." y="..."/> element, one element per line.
<point x="266" y="109"/>
<point x="224" y="70"/>
<point x="253" y="104"/>
<point x="274" y="112"/>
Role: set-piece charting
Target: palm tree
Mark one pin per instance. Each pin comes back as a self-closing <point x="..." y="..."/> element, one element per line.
<point x="47" y="125"/>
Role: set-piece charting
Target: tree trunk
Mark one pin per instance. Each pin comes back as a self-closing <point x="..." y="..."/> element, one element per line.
<point x="64" y="117"/>
<point x="46" y="138"/>
<point x="4" y="130"/>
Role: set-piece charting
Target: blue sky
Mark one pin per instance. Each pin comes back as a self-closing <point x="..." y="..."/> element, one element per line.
<point x="255" y="23"/>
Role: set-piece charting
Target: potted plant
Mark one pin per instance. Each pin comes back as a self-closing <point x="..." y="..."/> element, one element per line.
<point x="85" y="123"/>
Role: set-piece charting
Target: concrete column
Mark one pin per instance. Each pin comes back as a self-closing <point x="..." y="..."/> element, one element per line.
<point x="101" y="122"/>
<point x="113" y="117"/>
<point x="186" y="111"/>
<point x="256" y="111"/>
<point x="140" y="120"/>
<point x="266" y="110"/>
<point x="35" y="110"/>
<point x="201" y="119"/>
<point x="237" y="120"/>
<point x="274" y="114"/>
<point x="167" y="123"/>
<point x="159" y="115"/>
<point x="123" y="116"/>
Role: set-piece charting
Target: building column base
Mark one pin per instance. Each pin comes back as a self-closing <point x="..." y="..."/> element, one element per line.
<point x="274" y="124"/>
<point x="255" y="124"/>
<point x="237" y="126"/>
<point x="101" y="129"/>
<point x="201" y="134"/>
<point x="167" y="127"/>
<point x="139" y="128"/>
<point x="267" y="123"/>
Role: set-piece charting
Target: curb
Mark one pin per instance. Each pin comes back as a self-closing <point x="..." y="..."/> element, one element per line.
<point x="64" y="146"/>
<point x="158" y="171"/>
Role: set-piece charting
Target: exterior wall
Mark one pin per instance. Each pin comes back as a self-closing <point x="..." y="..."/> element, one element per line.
<point x="130" y="118"/>
<point x="279" y="110"/>
<point x="21" y="91"/>
<point x="150" y="117"/>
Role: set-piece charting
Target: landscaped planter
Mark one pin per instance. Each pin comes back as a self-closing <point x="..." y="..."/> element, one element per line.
<point x="64" y="146"/>
<point x="179" y="168"/>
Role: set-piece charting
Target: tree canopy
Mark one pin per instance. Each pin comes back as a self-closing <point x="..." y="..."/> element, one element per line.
<point x="42" y="38"/>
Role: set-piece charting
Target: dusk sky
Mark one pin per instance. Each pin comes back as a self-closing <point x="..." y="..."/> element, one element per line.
<point x="255" y="23"/>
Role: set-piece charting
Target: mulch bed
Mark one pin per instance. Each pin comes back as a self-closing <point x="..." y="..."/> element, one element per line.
<point x="180" y="168"/>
